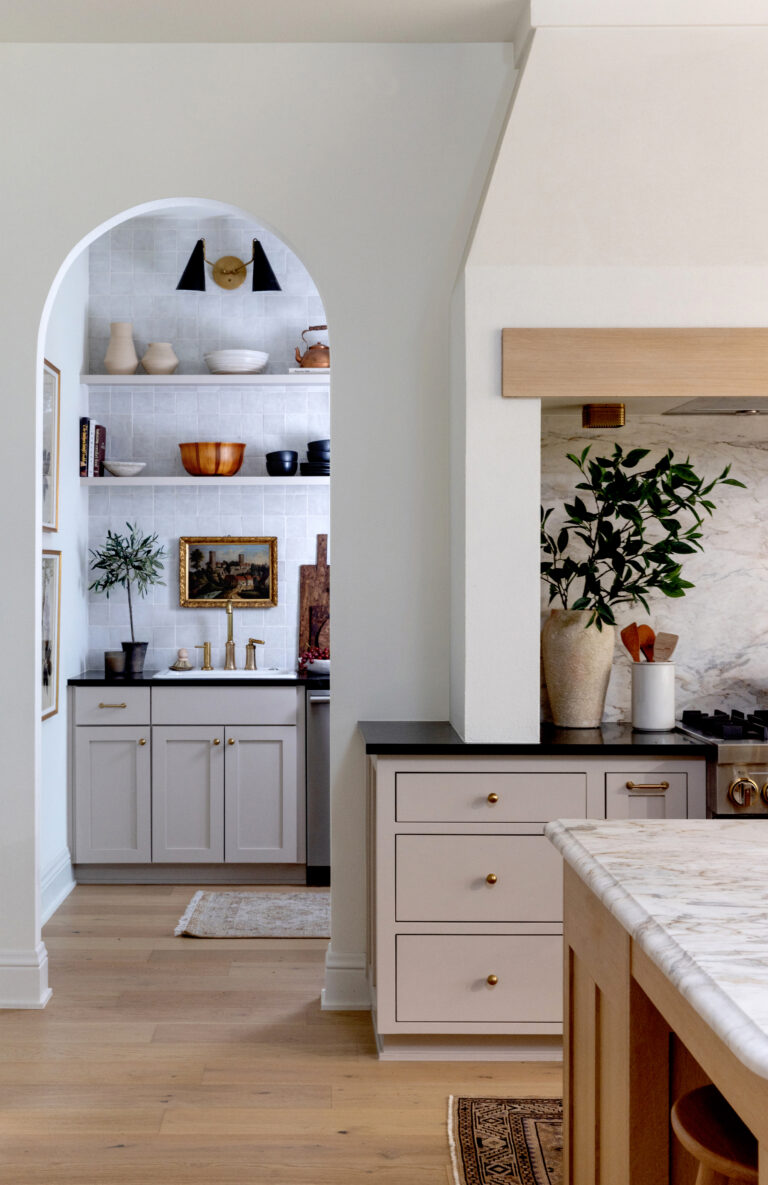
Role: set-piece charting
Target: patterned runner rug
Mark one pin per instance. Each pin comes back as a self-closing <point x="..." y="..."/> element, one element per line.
<point x="514" y="1141"/>
<point x="305" y="913"/>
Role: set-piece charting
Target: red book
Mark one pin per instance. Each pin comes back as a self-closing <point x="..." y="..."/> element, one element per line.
<point x="99" y="450"/>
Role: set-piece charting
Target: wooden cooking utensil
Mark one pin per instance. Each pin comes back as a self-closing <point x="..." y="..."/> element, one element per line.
<point x="664" y="647"/>
<point x="646" y="638"/>
<point x="629" y="636"/>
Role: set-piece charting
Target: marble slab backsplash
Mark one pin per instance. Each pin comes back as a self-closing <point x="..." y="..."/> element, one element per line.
<point x="722" y="621"/>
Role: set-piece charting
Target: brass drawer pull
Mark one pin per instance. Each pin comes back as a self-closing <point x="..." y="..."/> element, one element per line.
<point x="493" y="799"/>
<point x="491" y="878"/>
<point x="492" y="980"/>
<point x="113" y="705"/>
<point x="217" y="740"/>
<point x="648" y="787"/>
<point x="142" y="740"/>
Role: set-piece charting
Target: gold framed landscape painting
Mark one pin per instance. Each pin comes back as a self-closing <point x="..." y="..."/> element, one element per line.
<point x="50" y="457"/>
<point x="51" y="622"/>
<point x="216" y="569"/>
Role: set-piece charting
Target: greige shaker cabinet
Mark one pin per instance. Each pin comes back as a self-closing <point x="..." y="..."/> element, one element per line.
<point x="216" y="777"/>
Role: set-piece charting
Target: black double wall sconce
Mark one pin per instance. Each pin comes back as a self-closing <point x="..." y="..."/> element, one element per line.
<point x="229" y="271"/>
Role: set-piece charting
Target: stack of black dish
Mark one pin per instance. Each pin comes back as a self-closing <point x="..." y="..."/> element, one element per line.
<point x="318" y="462"/>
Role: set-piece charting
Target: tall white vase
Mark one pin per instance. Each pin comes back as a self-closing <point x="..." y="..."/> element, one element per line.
<point x="121" y="356"/>
<point x="653" y="696"/>
<point x="577" y="666"/>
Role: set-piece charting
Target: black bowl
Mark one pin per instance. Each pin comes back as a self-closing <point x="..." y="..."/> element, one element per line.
<point x="323" y="446"/>
<point x="282" y="464"/>
<point x="321" y="458"/>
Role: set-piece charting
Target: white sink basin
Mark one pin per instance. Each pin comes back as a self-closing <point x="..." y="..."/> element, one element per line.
<point x="245" y="676"/>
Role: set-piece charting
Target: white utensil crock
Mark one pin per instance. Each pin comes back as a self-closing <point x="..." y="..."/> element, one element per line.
<point x="653" y="696"/>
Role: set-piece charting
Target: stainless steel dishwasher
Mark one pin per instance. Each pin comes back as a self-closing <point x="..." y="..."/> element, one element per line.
<point x="318" y="787"/>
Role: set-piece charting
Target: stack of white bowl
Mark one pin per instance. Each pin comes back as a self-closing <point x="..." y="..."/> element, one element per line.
<point x="236" y="361"/>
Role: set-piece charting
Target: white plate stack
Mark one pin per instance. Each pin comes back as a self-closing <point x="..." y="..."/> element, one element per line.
<point x="236" y="361"/>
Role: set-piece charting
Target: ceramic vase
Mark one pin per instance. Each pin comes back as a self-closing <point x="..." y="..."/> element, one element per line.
<point x="121" y="357"/>
<point x="160" y="358"/>
<point x="577" y="666"/>
<point x="653" y="696"/>
<point x="135" y="653"/>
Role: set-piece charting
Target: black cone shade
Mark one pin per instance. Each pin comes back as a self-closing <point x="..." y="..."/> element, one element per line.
<point x="264" y="279"/>
<point x="193" y="276"/>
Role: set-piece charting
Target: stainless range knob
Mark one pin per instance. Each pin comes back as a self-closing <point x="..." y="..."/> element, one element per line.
<point x="742" y="790"/>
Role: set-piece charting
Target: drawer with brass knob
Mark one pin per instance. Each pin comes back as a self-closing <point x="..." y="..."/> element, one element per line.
<point x="477" y="878"/>
<point x="489" y="798"/>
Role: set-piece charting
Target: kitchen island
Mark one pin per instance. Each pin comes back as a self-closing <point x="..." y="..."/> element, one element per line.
<point x="666" y="986"/>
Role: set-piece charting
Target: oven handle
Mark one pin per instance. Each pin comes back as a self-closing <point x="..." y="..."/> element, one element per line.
<point x="647" y="788"/>
<point x="319" y="699"/>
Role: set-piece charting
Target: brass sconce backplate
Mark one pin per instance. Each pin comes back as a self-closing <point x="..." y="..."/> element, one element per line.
<point x="602" y="415"/>
<point x="229" y="271"/>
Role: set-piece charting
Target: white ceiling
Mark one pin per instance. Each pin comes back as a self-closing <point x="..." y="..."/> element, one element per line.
<point x="259" y="20"/>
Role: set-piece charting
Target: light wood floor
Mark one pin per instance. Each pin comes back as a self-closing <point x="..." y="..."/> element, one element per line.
<point x="162" y="1061"/>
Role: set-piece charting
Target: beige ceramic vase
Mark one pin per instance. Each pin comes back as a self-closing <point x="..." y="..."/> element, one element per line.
<point x="121" y="357"/>
<point x="577" y="667"/>
<point x="160" y="358"/>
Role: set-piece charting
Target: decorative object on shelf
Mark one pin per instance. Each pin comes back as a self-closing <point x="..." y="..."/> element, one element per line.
<point x="121" y="356"/>
<point x="51" y="622"/>
<point x="182" y="661"/>
<point x="236" y="361"/>
<point x="229" y="271"/>
<point x="318" y="462"/>
<point x="217" y="570"/>
<point x="283" y="463"/>
<point x="315" y="600"/>
<point x="51" y="410"/>
<point x="614" y="562"/>
<point x="212" y="458"/>
<point x="160" y="358"/>
<point x="315" y="661"/>
<point x="125" y="468"/>
<point x="316" y="356"/>
<point x="127" y="560"/>
<point x="114" y="664"/>
<point x="93" y="448"/>
<point x="653" y="696"/>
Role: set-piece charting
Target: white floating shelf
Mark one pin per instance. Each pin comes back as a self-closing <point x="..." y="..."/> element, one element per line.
<point x="204" y="481"/>
<point x="307" y="378"/>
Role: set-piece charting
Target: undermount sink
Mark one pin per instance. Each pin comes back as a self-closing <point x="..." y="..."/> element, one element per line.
<point x="243" y="675"/>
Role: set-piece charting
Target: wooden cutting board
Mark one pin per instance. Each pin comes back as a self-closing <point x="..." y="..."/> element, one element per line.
<point x="315" y="600"/>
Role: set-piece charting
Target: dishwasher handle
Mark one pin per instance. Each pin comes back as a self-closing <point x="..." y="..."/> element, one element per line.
<point x="319" y="699"/>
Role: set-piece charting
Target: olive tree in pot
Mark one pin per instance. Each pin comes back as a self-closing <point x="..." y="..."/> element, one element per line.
<point x="626" y="540"/>
<point x="127" y="560"/>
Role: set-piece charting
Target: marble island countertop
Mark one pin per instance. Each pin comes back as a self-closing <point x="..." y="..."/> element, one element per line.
<point x="693" y="894"/>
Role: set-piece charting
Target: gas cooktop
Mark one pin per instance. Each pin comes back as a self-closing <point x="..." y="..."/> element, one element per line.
<point x="732" y="726"/>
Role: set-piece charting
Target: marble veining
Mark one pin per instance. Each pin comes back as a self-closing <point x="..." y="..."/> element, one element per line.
<point x="694" y="895"/>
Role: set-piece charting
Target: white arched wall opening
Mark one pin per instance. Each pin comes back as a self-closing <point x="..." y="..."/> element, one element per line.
<point x="64" y="337"/>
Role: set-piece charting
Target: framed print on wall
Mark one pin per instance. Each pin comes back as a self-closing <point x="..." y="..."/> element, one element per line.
<point x="50" y="457"/>
<point x="214" y="570"/>
<point x="50" y="635"/>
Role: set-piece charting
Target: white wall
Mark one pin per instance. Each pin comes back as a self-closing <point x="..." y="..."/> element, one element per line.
<point x="369" y="161"/>
<point x="65" y="347"/>
<point x="629" y="190"/>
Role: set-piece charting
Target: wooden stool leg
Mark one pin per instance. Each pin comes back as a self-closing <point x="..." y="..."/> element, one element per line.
<point x="710" y="1177"/>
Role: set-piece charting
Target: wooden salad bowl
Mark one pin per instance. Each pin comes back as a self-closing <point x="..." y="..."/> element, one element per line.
<point x="212" y="458"/>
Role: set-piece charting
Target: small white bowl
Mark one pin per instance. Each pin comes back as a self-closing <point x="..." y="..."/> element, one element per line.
<point x="236" y="361"/>
<point x="125" y="468"/>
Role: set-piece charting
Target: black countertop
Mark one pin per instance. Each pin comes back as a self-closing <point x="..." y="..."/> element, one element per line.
<point x="194" y="679"/>
<point x="437" y="738"/>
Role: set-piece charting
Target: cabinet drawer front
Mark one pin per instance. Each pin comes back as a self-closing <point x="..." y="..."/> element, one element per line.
<point x="112" y="704"/>
<point x="464" y="797"/>
<point x="224" y="705"/>
<point x="443" y="878"/>
<point x="646" y="797"/>
<point x="444" y="977"/>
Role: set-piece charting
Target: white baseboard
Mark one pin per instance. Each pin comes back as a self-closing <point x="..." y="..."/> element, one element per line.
<point x="346" y="984"/>
<point x="448" y="1048"/>
<point x="56" y="883"/>
<point x="24" y="978"/>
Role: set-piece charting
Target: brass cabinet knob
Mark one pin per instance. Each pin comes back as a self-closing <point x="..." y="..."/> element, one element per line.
<point x="492" y="980"/>
<point x="231" y="741"/>
<point x="217" y="740"/>
<point x="142" y="740"/>
<point x="491" y="878"/>
<point x="493" y="799"/>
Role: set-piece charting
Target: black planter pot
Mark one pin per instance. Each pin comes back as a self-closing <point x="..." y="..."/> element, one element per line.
<point x="135" y="653"/>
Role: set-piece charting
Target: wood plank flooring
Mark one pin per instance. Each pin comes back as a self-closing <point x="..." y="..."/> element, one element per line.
<point x="179" y="1061"/>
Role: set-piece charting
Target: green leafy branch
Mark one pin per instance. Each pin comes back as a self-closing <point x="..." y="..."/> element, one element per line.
<point x="620" y="564"/>
<point x="127" y="560"/>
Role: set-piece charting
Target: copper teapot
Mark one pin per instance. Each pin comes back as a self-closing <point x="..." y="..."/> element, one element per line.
<point x="316" y="355"/>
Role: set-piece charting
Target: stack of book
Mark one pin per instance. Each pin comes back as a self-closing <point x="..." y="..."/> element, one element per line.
<point x="93" y="448"/>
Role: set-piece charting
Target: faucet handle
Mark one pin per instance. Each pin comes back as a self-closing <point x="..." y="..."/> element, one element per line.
<point x="256" y="642"/>
<point x="206" y="649"/>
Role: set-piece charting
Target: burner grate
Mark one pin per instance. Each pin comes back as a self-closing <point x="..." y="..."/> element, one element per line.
<point x="729" y="726"/>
